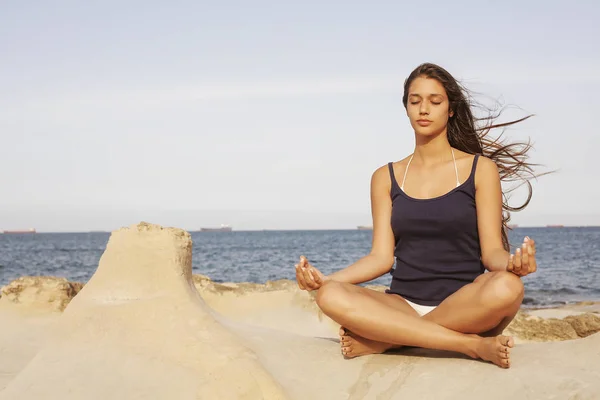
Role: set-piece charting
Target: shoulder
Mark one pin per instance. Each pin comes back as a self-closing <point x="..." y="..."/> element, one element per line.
<point x="384" y="171"/>
<point x="487" y="170"/>
<point x="382" y="176"/>
<point x="486" y="166"/>
<point x="465" y="161"/>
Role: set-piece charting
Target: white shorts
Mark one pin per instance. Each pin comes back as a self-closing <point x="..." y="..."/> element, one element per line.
<point x="421" y="310"/>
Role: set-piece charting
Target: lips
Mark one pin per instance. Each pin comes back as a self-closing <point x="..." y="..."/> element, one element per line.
<point x="424" y="122"/>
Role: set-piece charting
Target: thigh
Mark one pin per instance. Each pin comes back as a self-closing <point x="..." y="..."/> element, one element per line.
<point x="357" y="293"/>
<point x="393" y="300"/>
<point x="466" y="311"/>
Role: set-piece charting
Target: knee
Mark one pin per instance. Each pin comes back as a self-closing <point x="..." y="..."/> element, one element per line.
<point x="331" y="296"/>
<point x="504" y="289"/>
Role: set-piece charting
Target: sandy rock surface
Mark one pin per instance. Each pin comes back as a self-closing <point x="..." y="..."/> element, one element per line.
<point x="145" y="327"/>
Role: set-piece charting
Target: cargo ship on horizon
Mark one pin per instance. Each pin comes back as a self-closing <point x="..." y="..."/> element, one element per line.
<point x="222" y="228"/>
<point x="364" y="228"/>
<point x="12" y="232"/>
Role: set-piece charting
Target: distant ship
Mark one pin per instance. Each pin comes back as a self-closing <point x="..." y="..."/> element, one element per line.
<point x="555" y="226"/>
<point x="364" y="228"/>
<point x="222" y="228"/>
<point x="512" y="226"/>
<point x="8" y="232"/>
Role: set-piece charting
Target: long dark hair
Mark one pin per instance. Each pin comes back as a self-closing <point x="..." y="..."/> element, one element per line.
<point x="470" y="134"/>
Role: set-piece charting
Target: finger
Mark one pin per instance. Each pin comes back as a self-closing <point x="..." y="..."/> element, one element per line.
<point x="302" y="269"/>
<point x="303" y="261"/>
<point x="532" y="262"/>
<point x="309" y="281"/>
<point x="530" y="242"/>
<point x="525" y="258"/>
<point x="510" y="266"/>
<point x="532" y="245"/>
<point x="316" y="275"/>
<point x="531" y="253"/>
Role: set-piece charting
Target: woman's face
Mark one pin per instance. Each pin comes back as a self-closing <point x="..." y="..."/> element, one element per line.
<point x="427" y="106"/>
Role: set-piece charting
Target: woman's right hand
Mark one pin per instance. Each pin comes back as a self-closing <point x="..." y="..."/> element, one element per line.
<point x="308" y="277"/>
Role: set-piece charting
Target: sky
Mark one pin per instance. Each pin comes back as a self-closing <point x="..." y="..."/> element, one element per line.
<point x="273" y="114"/>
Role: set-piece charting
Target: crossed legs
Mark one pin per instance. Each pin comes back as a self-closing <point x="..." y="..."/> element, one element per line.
<point x="470" y="321"/>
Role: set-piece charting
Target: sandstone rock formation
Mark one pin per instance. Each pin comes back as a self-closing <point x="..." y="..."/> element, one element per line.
<point x="144" y="328"/>
<point x="40" y="292"/>
<point x="139" y="329"/>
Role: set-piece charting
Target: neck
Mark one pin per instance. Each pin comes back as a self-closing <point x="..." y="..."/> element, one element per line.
<point x="432" y="150"/>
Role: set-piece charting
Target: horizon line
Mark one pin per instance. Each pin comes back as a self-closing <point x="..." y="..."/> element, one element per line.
<point x="197" y="230"/>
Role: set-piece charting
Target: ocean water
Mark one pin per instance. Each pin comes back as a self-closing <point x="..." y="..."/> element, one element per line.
<point x="568" y="258"/>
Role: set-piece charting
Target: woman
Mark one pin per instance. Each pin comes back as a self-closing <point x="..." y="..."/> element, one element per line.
<point x="444" y="223"/>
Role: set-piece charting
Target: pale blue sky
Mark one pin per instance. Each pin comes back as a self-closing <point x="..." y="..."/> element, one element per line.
<point x="270" y="114"/>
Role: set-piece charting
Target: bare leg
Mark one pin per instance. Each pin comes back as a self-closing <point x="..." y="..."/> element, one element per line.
<point x="496" y="292"/>
<point x="383" y="320"/>
<point x="484" y="307"/>
<point x="491" y="294"/>
<point x="354" y="345"/>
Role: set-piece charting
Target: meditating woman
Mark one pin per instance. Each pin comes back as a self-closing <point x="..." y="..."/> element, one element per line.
<point x="439" y="215"/>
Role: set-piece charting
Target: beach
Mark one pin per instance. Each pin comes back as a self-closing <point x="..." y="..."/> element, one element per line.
<point x="145" y="326"/>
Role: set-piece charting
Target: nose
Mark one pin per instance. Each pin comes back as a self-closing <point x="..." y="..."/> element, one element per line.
<point x="424" y="108"/>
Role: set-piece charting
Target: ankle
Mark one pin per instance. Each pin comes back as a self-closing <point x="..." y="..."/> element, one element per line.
<point x="472" y="344"/>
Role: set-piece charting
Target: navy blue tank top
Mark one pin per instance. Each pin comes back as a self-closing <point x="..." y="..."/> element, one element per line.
<point x="437" y="242"/>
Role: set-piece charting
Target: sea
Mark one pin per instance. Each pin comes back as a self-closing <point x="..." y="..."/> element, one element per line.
<point x="568" y="257"/>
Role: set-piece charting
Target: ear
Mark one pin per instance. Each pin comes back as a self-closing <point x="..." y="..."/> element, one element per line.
<point x="451" y="113"/>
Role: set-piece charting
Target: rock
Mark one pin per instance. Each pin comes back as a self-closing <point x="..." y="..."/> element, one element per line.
<point x="533" y="328"/>
<point x="139" y="329"/>
<point x="144" y="327"/>
<point x="585" y="324"/>
<point x="41" y="292"/>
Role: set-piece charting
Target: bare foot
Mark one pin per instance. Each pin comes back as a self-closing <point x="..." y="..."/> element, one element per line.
<point x="354" y="345"/>
<point x="496" y="349"/>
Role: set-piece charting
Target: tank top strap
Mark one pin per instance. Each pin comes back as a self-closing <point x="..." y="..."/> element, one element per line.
<point x="473" y="168"/>
<point x="394" y="186"/>
<point x="474" y="164"/>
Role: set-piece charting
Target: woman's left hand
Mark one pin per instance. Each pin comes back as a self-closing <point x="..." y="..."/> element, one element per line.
<point x="523" y="262"/>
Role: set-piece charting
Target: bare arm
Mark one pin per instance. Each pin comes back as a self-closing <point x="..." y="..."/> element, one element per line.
<point x="488" y="199"/>
<point x="381" y="258"/>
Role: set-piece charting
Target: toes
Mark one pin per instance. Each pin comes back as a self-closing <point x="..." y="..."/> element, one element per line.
<point x="347" y="351"/>
<point x="504" y="356"/>
<point x="345" y="341"/>
<point x="506" y="363"/>
<point x="342" y="331"/>
<point x="507" y="341"/>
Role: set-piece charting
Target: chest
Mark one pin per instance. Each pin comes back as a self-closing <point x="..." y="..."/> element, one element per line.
<point x="447" y="216"/>
<point x="430" y="183"/>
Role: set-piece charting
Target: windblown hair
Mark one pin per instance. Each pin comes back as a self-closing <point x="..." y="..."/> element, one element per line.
<point x="470" y="134"/>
